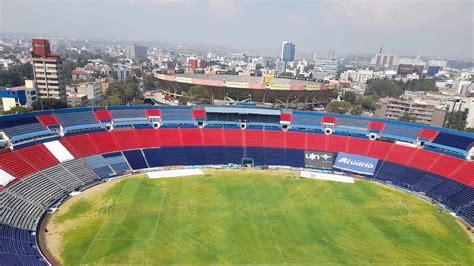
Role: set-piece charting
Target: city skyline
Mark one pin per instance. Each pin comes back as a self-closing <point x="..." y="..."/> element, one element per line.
<point x="349" y="27"/>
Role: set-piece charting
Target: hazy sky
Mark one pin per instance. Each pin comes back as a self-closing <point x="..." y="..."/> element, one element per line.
<point x="443" y="28"/>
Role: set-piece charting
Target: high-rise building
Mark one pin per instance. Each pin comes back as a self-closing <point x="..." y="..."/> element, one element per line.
<point x="136" y="51"/>
<point x="384" y="60"/>
<point x="287" y="52"/>
<point x="48" y="71"/>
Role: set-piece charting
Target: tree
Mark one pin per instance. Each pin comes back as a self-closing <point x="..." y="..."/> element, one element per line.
<point x="349" y="96"/>
<point x="68" y="67"/>
<point x="198" y="93"/>
<point x="16" y="75"/>
<point x="383" y="88"/>
<point x="258" y="66"/>
<point x="357" y="110"/>
<point x="456" y="120"/>
<point x="341" y="107"/>
<point x="368" y="103"/>
<point x="49" y="103"/>
<point x="16" y="110"/>
<point x="150" y="82"/>
<point x="469" y="129"/>
<point x="407" y="118"/>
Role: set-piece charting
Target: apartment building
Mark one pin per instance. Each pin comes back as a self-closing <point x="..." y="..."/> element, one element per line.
<point x="48" y="71"/>
<point x="423" y="113"/>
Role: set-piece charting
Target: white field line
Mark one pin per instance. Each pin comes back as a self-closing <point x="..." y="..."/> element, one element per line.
<point x="269" y="224"/>
<point x="159" y="215"/>
<point x="103" y="223"/>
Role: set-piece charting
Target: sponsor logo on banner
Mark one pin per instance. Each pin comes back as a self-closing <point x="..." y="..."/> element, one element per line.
<point x="356" y="163"/>
<point x="317" y="159"/>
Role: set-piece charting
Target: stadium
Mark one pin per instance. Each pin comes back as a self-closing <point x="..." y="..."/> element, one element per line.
<point x="374" y="191"/>
<point x="270" y="91"/>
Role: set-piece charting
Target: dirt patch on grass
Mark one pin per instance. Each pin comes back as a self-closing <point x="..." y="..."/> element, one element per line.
<point x="52" y="230"/>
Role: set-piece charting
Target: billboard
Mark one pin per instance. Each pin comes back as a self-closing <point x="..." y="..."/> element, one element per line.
<point x="356" y="163"/>
<point x="317" y="159"/>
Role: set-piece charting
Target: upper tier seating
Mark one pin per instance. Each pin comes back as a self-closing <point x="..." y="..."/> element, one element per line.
<point x="306" y="119"/>
<point x="456" y="141"/>
<point x="21" y="130"/>
<point x="176" y="115"/>
<point x="128" y="115"/>
<point x="73" y="119"/>
<point x="353" y="124"/>
<point x="400" y="131"/>
<point x="230" y="117"/>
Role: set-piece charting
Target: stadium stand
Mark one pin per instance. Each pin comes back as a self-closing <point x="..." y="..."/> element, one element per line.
<point x="176" y="115"/>
<point x="448" y="140"/>
<point x="36" y="175"/>
<point x="77" y="120"/>
<point x="392" y="130"/>
<point x="18" y="247"/>
<point x="117" y="162"/>
<point x="307" y="119"/>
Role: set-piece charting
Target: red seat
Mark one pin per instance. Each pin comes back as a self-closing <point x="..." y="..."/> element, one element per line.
<point x="38" y="156"/>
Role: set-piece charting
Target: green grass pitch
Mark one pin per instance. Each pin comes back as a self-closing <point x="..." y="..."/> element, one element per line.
<point x="258" y="217"/>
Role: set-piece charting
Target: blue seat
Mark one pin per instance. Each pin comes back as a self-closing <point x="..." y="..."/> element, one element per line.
<point x="447" y="188"/>
<point x="77" y="119"/>
<point x="395" y="130"/>
<point x="135" y="159"/>
<point x="307" y="119"/>
<point x="177" y="115"/>
<point x="451" y="140"/>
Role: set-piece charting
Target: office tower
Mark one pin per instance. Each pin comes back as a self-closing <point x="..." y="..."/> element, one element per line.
<point x="287" y="52"/>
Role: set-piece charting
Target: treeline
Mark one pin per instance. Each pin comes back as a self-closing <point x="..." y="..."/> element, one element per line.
<point x="352" y="104"/>
<point x="16" y="75"/>
<point x="124" y="93"/>
<point x="393" y="88"/>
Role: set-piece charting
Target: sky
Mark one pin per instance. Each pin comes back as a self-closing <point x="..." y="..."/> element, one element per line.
<point x="437" y="28"/>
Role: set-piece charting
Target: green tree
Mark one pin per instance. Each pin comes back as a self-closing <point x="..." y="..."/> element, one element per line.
<point x="341" y="107"/>
<point x="150" y="82"/>
<point x="16" y="75"/>
<point x="198" y="93"/>
<point x="456" y="120"/>
<point x="46" y="104"/>
<point x="357" y="110"/>
<point x="258" y="66"/>
<point x="349" y="96"/>
<point x="68" y="67"/>
<point x="469" y="129"/>
<point x="368" y="103"/>
<point x="407" y="118"/>
<point x="16" y="110"/>
<point x="383" y="88"/>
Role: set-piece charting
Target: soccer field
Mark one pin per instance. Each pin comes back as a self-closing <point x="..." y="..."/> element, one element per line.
<point x="254" y="217"/>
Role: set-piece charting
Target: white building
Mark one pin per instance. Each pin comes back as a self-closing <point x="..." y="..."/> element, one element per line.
<point x="363" y="75"/>
<point x="92" y="90"/>
<point x="462" y="87"/>
<point x="5" y="63"/>
<point x="123" y="72"/>
<point x="330" y="67"/>
<point x="470" y="114"/>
